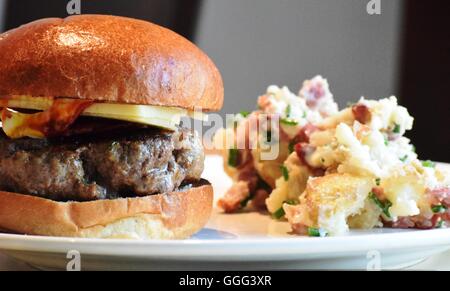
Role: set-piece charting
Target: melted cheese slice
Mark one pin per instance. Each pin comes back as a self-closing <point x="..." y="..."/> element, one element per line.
<point x="13" y="125"/>
<point x="159" y="116"/>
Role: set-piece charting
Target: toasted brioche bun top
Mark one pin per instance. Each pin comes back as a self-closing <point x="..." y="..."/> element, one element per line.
<point x="110" y="59"/>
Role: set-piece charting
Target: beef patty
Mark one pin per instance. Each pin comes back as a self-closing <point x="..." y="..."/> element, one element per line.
<point x="125" y="163"/>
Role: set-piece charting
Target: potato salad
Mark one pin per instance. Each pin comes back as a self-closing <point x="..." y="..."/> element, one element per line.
<point x="334" y="170"/>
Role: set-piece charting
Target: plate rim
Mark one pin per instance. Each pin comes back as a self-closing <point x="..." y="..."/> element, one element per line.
<point x="251" y="247"/>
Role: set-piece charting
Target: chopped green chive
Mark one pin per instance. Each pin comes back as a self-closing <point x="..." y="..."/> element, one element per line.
<point x="291" y="146"/>
<point x="428" y="164"/>
<point x="440" y="224"/>
<point x="304" y="114"/>
<point x="383" y="205"/>
<point x="291" y="202"/>
<point x="285" y="172"/>
<point x="386" y="209"/>
<point x="404" y="158"/>
<point x="313" y="231"/>
<point x="438" y="208"/>
<point x="378" y="181"/>
<point x="279" y="213"/>
<point x="233" y="157"/>
<point x="316" y="232"/>
<point x="413" y="148"/>
<point x="288" y="111"/>
<point x="396" y="128"/>
<point x="288" y="121"/>
<point x="244" y="113"/>
<point x="386" y="141"/>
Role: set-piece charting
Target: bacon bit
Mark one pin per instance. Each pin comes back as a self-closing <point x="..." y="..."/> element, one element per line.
<point x="317" y="172"/>
<point x="361" y="113"/>
<point x="446" y="216"/>
<point x="302" y="150"/>
<point x="247" y="173"/>
<point x="401" y="222"/>
<point x="231" y="201"/>
<point x="53" y="121"/>
<point x="245" y="186"/>
<point x="435" y="220"/>
<point x="438" y="195"/>
<point x="313" y="94"/>
<point x="259" y="199"/>
<point x="424" y="223"/>
<point x="300" y="229"/>
<point x="418" y="221"/>
<point x="305" y="133"/>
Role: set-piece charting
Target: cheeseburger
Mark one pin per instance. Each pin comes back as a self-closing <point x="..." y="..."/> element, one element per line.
<point x="91" y="143"/>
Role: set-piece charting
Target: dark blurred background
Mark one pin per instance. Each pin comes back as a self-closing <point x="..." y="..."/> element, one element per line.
<point x="404" y="51"/>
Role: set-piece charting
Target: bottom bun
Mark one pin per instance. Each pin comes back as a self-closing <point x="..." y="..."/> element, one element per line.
<point x="175" y="215"/>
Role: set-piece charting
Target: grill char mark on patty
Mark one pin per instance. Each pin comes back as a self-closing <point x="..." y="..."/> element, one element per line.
<point x="126" y="163"/>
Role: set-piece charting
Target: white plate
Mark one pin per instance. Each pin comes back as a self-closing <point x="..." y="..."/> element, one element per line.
<point x="239" y="242"/>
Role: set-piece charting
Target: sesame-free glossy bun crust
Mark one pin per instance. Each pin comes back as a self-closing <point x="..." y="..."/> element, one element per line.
<point x="108" y="58"/>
